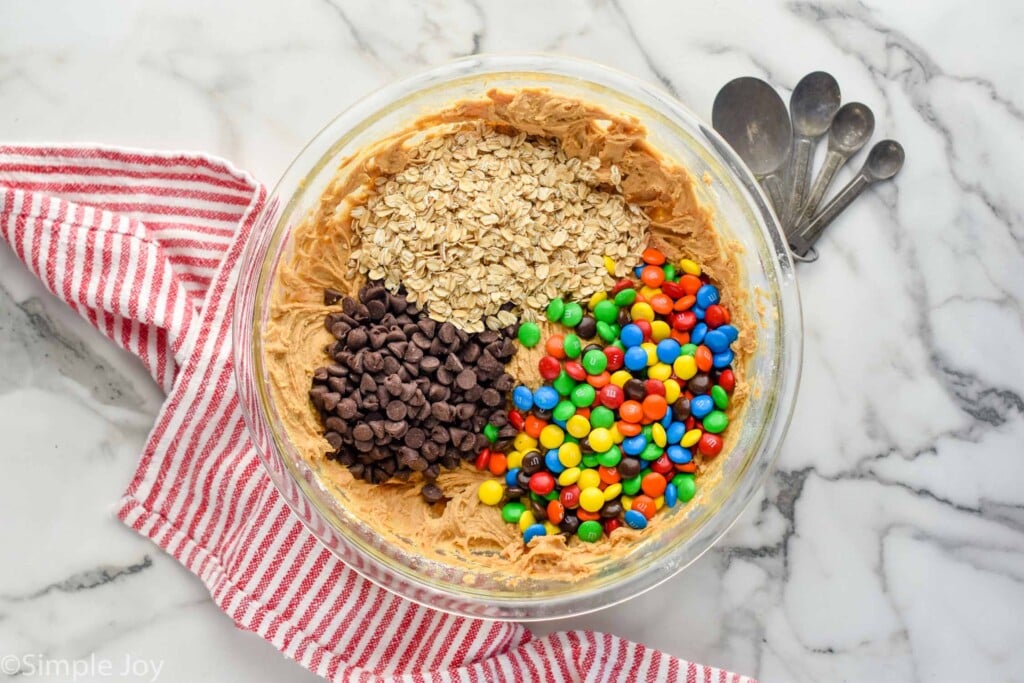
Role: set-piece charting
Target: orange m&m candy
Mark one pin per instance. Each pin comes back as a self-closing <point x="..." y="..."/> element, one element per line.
<point x="653" y="256"/>
<point x="661" y="303"/>
<point x="631" y="411"/>
<point x="690" y="284"/>
<point x="629" y="428"/>
<point x="704" y="358"/>
<point x="644" y="505"/>
<point x="652" y="276"/>
<point x="534" y="425"/>
<point x="654" y="407"/>
<point x="653" y="484"/>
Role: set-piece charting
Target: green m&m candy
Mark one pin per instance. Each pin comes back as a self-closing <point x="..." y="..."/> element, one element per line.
<point x="511" y="512"/>
<point x="555" y="310"/>
<point x="563" y="384"/>
<point x="715" y="422"/>
<point x="590" y="531"/>
<point x="572" y="315"/>
<point x="606" y="311"/>
<point x="582" y="396"/>
<point x="572" y="346"/>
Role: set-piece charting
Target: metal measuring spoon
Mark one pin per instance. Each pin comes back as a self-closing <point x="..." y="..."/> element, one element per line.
<point x="812" y="105"/>
<point x="752" y="118"/>
<point x="851" y="128"/>
<point x="884" y="161"/>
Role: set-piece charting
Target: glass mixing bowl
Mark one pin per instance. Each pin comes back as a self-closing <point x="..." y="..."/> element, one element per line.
<point x="742" y="215"/>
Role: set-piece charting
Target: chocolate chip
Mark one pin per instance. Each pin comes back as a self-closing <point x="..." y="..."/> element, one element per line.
<point x="439" y="434"/>
<point x="442" y="411"/>
<point x="391" y="365"/>
<point x="432" y="493"/>
<point x="465" y="411"/>
<point x="466" y="379"/>
<point x="332" y="296"/>
<point x="374" y="362"/>
<point x="492" y="398"/>
<point x="415" y="437"/>
<point x="427" y="326"/>
<point x="357" y="338"/>
<point x="406" y="393"/>
<point x="398" y="303"/>
<point x="396" y="430"/>
<point x="431" y="451"/>
<point x="421" y="340"/>
<point x="396" y="410"/>
<point x="438" y="392"/>
<point x="470" y="353"/>
<point x="504" y="382"/>
<point x="362" y="432"/>
<point x="347" y="409"/>
<point x="372" y="293"/>
<point x="367" y="384"/>
<point x="378" y="337"/>
<point x="447" y="333"/>
<point x="413" y="354"/>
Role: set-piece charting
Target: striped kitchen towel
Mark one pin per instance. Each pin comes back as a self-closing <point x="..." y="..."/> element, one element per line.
<point x="146" y="247"/>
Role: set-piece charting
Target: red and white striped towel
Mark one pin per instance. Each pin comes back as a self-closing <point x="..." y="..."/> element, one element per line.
<point x="146" y="247"/>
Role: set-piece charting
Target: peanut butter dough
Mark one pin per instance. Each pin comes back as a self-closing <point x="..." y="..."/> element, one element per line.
<point x="462" y="532"/>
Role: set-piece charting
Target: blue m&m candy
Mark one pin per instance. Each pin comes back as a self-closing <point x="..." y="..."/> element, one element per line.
<point x="631" y="335"/>
<point x="716" y="341"/>
<point x="522" y="398"/>
<point x="707" y="295"/>
<point x="545" y="397"/>
<point x="701" y="406"/>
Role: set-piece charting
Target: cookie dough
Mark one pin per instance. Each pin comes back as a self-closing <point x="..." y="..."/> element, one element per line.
<point x="462" y="532"/>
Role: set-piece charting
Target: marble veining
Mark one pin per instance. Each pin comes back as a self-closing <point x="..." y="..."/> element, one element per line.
<point x="887" y="545"/>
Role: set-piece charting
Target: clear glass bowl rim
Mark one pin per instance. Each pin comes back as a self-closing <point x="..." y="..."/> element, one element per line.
<point x="245" y="344"/>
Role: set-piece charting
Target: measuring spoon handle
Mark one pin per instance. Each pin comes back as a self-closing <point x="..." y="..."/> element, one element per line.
<point x="834" y="160"/>
<point x="807" y="235"/>
<point x="772" y="184"/>
<point x="802" y="150"/>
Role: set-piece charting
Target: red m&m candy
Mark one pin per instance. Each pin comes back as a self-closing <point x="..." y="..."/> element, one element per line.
<point x="611" y="396"/>
<point x="549" y="367"/>
<point x="542" y="483"/>
<point x="575" y="370"/>
<point x="615" y="358"/>
<point x="710" y="444"/>
<point x="716" y="315"/>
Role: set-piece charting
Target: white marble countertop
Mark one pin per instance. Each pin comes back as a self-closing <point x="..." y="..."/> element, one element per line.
<point x="889" y="542"/>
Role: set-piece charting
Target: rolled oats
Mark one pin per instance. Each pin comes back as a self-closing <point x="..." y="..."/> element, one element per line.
<point x="478" y="219"/>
